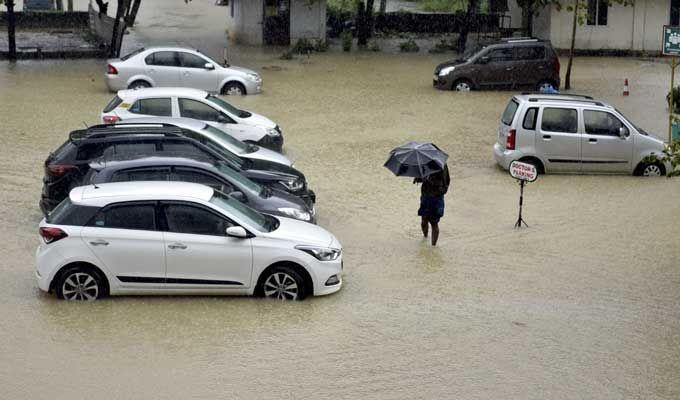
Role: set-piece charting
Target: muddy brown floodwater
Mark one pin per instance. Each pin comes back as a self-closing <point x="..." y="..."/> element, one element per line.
<point x="583" y="304"/>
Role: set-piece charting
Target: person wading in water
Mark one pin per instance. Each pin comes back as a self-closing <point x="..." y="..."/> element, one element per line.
<point x="432" y="192"/>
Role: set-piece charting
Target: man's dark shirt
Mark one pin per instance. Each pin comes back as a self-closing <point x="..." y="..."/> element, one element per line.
<point x="436" y="184"/>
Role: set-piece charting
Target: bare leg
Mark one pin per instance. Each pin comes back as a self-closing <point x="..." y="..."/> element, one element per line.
<point x="435" y="232"/>
<point x="423" y="226"/>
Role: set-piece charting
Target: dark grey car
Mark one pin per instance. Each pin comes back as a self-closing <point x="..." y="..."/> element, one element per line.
<point x="217" y="175"/>
<point x="507" y="64"/>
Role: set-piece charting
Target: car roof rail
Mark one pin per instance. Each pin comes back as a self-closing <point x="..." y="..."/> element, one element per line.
<point x="558" y="94"/>
<point x="595" y="102"/>
<point x="519" y="39"/>
<point x="101" y="131"/>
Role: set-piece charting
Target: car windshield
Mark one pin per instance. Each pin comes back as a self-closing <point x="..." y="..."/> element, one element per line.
<point x="238" y="146"/>
<point x="261" y="222"/>
<point x="221" y="103"/>
<point x="472" y="52"/>
<point x="241" y="180"/>
<point x="642" y="131"/>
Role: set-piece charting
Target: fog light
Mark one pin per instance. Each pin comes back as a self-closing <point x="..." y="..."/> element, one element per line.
<point x="333" y="280"/>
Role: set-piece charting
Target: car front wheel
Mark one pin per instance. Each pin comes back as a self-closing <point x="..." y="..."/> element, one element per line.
<point x="654" y="169"/>
<point x="283" y="283"/>
<point x="80" y="284"/>
<point x="462" y="85"/>
<point x="233" y="89"/>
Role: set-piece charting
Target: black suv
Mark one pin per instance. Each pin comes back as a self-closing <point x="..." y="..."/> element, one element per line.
<point x="506" y="64"/>
<point x="66" y="166"/>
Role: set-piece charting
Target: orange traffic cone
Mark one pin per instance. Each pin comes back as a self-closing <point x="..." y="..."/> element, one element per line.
<point x="625" y="88"/>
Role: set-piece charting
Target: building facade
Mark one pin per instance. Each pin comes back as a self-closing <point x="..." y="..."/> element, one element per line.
<point x="607" y="27"/>
<point x="276" y="22"/>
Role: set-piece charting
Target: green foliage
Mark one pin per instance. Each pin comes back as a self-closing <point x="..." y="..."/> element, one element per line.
<point x="409" y="46"/>
<point x="346" y="38"/>
<point x="373" y="46"/>
<point x="443" y="46"/>
<point x="449" y="6"/>
<point x="675" y="93"/>
<point x="321" y="46"/>
<point x="341" y="6"/>
<point x="303" y="46"/>
<point x="670" y="154"/>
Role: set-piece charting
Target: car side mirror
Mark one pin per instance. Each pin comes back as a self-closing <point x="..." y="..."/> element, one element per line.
<point x="239" y="196"/>
<point x="483" y="60"/>
<point x="623" y="132"/>
<point x="209" y="66"/>
<point x="237" y="232"/>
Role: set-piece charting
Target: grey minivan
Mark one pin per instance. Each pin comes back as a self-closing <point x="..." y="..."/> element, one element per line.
<point x="509" y="63"/>
<point x="575" y="134"/>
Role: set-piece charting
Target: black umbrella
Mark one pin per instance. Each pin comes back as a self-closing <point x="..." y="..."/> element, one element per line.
<point x="416" y="160"/>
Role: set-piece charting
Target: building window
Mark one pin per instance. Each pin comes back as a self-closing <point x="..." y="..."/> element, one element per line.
<point x="597" y="12"/>
<point x="675" y="12"/>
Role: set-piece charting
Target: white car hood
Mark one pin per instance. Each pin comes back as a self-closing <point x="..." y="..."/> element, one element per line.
<point x="241" y="70"/>
<point x="259" y="120"/>
<point x="269" y="155"/>
<point x="303" y="233"/>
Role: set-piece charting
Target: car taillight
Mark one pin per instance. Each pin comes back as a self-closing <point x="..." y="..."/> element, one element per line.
<point x="59" y="170"/>
<point x="110" y="119"/>
<point x="510" y="140"/>
<point x="112" y="70"/>
<point x="51" y="235"/>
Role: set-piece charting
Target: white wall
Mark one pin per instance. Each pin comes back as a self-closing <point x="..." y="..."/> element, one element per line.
<point x="307" y="21"/>
<point x="628" y="28"/>
<point x="246" y="24"/>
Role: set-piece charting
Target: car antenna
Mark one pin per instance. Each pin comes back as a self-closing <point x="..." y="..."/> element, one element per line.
<point x="86" y="127"/>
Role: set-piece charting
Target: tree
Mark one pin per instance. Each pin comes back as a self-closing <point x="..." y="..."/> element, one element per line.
<point x="11" y="29"/>
<point x="114" y="48"/>
<point x="470" y="14"/>
<point x="383" y="6"/>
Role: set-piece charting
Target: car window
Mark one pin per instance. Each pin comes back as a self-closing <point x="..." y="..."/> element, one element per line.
<point x="130" y="148"/>
<point x="195" y="109"/>
<point x="163" y="58"/>
<point x="67" y="213"/>
<point x="130" y="216"/>
<point x="113" y="104"/>
<point x="500" y="55"/>
<point x="192" y="61"/>
<point x="181" y="147"/>
<point x="559" y="120"/>
<point x="134" y="53"/>
<point x="89" y="151"/>
<point x="195" y="176"/>
<point x="530" y="53"/>
<point x="509" y="113"/>
<point x="141" y="174"/>
<point x="182" y="218"/>
<point x="529" y="122"/>
<point x="160" y="107"/>
<point x="601" y="123"/>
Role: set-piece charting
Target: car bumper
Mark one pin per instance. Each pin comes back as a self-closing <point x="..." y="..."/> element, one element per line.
<point x="442" y="83"/>
<point x="253" y="87"/>
<point x="115" y="82"/>
<point x="45" y="258"/>
<point x="325" y="270"/>
<point x="504" y="157"/>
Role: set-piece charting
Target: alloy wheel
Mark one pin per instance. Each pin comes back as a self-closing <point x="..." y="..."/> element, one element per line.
<point x="80" y="286"/>
<point x="281" y="286"/>
<point x="651" y="170"/>
<point x="234" y="91"/>
<point x="463" y="87"/>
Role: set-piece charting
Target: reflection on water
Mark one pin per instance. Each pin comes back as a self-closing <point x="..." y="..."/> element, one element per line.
<point x="582" y="304"/>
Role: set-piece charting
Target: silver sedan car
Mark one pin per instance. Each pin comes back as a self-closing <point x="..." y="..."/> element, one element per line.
<point x="177" y="66"/>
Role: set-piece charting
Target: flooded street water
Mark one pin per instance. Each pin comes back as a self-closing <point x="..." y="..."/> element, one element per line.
<point x="583" y="304"/>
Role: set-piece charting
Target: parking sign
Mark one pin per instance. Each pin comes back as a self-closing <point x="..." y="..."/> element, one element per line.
<point x="671" y="40"/>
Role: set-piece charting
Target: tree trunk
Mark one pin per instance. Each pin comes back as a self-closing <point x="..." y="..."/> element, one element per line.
<point x="528" y="16"/>
<point x="59" y="4"/>
<point x="114" y="48"/>
<point x="465" y="27"/>
<point x="567" y="77"/>
<point x="70" y="5"/>
<point x="369" y="18"/>
<point x="383" y="6"/>
<point x="133" y="12"/>
<point x="362" y="34"/>
<point x="11" y="27"/>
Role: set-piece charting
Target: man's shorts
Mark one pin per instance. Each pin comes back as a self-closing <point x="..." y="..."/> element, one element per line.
<point x="431" y="207"/>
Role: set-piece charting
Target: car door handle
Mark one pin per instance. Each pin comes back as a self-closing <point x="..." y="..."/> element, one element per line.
<point x="179" y="246"/>
<point x="548" y="137"/>
<point x="99" y="242"/>
<point x="591" y="140"/>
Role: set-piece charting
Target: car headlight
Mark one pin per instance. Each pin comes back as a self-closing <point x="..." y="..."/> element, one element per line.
<point x="293" y="185"/>
<point x="321" y="253"/>
<point x="273" y="132"/>
<point x="295" y="213"/>
<point x="254" y="77"/>
<point x="446" y="70"/>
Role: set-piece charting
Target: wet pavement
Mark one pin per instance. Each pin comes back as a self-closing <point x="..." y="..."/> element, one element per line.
<point x="583" y="304"/>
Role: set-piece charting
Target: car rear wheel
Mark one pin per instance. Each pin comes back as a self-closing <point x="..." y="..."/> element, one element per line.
<point x="139" y="85"/>
<point x="283" y="283"/>
<point x="462" y="85"/>
<point x="80" y="284"/>
<point x="233" y="89"/>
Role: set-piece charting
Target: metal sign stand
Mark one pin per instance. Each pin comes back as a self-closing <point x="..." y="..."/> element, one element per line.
<point x="671" y="47"/>
<point x="520" y="220"/>
<point x="674" y="64"/>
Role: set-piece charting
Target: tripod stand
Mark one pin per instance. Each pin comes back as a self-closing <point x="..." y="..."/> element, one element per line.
<point x="520" y="220"/>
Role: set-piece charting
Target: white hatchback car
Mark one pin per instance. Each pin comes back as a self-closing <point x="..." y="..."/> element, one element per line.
<point x="179" y="66"/>
<point x="195" y="104"/>
<point x="179" y="238"/>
